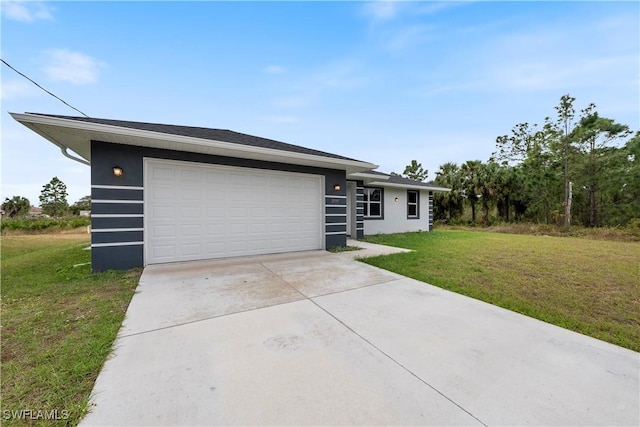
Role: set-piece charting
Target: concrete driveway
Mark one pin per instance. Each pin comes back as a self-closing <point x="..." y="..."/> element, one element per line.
<point x="320" y="339"/>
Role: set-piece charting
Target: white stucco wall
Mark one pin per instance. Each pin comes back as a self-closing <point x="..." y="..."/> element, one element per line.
<point x="395" y="214"/>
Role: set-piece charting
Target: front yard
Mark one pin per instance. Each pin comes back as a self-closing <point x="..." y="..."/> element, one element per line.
<point x="588" y="286"/>
<point x="59" y="320"/>
<point x="58" y="325"/>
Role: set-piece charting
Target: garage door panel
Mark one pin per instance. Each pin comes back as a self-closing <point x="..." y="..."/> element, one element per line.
<point x="191" y="176"/>
<point x="160" y="212"/>
<point x="160" y="231"/>
<point x="195" y="211"/>
<point x="191" y="230"/>
<point x="163" y="173"/>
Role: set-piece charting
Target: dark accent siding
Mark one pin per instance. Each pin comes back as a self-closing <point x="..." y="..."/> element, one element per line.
<point x="117" y="208"/>
<point x="336" y="219"/>
<point x="336" y="210"/>
<point x="430" y="210"/>
<point x="360" y="210"/>
<point x="116" y="194"/>
<point x="335" y="203"/>
<point x="117" y="237"/>
<point x="336" y="240"/>
<point x="336" y="228"/>
<point x="117" y="257"/>
<point x="101" y="223"/>
<point x="106" y="155"/>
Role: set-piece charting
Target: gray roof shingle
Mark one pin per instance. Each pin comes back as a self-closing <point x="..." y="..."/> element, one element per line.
<point x="222" y="135"/>
<point x="397" y="179"/>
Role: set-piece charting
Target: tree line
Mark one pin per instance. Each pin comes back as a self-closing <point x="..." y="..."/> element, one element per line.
<point x="53" y="201"/>
<point x="580" y="168"/>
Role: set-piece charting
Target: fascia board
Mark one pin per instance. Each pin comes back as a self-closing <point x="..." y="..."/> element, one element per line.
<point x="365" y="175"/>
<point x="408" y="186"/>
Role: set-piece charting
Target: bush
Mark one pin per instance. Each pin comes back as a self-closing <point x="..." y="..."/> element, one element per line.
<point x="34" y="225"/>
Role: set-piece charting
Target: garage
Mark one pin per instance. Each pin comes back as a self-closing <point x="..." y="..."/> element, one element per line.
<point x="201" y="211"/>
<point x="163" y="193"/>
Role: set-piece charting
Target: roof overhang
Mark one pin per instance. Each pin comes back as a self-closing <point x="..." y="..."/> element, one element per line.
<point x="75" y="135"/>
<point x="364" y="176"/>
<point x="408" y="186"/>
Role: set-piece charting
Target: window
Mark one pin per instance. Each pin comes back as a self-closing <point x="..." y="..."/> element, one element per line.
<point x="413" y="204"/>
<point x="372" y="202"/>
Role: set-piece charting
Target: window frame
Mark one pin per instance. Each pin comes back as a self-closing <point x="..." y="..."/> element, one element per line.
<point x="416" y="204"/>
<point x="366" y="203"/>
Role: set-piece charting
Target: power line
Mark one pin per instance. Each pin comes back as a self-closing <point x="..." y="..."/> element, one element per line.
<point x="31" y="80"/>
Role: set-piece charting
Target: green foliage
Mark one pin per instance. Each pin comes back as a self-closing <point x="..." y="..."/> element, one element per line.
<point x="471" y="185"/>
<point x="43" y="224"/>
<point x="415" y="171"/>
<point x="16" y="206"/>
<point x="528" y="177"/>
<point x="448" y="205"/>
<point x="84" y="204"/>
<point x="53" y="198"/>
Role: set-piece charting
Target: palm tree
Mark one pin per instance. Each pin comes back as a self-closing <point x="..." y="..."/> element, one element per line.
<point x="450" y="202"/>
<point x="471" y="184"/>
<point x="16" y="206"/>
<point x="488" y="186"/>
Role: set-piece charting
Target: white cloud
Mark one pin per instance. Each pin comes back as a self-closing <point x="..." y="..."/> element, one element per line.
<point x="275" y="69"/>
<point x="26" y="11"/>
<point x="431" y="8"/>
<point x="72" y="67"/>
<point x="382" y="10"/>
<point x="408" y="37"/>
<point x="16" y="89"/>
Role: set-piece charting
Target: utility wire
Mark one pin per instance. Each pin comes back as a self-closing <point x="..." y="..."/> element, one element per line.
<point x="56" y="97"/>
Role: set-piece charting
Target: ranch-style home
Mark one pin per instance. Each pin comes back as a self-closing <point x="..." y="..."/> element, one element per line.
<point x="165" y="193"/>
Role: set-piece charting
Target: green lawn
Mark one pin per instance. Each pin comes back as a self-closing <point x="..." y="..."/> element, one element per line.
<point x="58" y="325"/>
<point x="588" y="286"/>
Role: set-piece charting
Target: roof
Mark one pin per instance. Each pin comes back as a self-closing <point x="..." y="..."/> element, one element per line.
<point x="76" y="133"/>
<point x="203" y="133"/>
<point x="395" y="179"/>
<point x="375" y="178"/>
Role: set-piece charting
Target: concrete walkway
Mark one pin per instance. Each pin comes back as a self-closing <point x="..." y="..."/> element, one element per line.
<point x="319" y="339"/>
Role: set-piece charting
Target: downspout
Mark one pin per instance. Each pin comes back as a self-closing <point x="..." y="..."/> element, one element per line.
<point x="63" y="149"/>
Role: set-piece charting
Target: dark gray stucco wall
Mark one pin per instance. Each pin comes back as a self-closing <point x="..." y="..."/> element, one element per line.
<point x="117" y="202"/>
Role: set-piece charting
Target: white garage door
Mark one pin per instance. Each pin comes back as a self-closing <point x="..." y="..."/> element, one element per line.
<point x="197" y="211"/>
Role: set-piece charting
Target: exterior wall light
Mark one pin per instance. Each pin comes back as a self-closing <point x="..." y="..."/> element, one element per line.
<point x="397" y="199"/>
<point x="117" y="171"/>
<point x="336" y="187"/>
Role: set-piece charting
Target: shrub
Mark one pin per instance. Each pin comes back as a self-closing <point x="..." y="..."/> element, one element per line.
<point x="34" y="225"/>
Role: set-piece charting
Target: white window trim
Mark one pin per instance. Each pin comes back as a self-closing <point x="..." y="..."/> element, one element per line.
<point x="367" y="202"/>
<point x="416" y="204"/>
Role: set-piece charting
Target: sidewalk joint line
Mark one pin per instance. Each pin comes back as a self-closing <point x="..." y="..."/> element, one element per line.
<point x="399" y="364"/>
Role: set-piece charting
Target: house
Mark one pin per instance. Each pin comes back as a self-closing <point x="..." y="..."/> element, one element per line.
<point x="35" y="211"/>
<point x="165" y="193"/>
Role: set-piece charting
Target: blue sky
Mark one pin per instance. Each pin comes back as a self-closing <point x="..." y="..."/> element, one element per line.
<point x="384" y="82"/>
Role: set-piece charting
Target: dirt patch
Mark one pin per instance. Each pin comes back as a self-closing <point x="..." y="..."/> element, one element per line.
<point x="78" y="231"/>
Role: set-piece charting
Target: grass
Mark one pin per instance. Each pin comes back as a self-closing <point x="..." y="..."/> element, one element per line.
<point x="58" y="324"/>
<point x="630" y="233"/>
<point x="346" y="248"/>
<point x="588" y="286"/>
